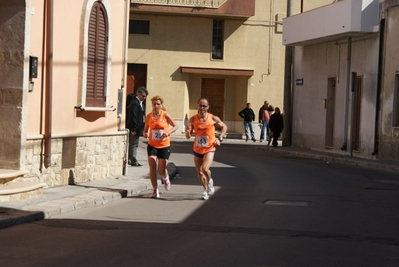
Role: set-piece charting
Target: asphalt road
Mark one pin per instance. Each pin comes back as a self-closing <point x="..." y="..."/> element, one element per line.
<point x="268" y="210"/>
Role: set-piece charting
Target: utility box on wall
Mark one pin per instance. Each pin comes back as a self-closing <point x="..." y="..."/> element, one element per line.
<point x="33" y="65"/>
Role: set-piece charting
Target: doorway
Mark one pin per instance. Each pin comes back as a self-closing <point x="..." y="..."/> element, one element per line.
<point x="330" y="111"/>
<point x="213" y="90"/>
<point x="136" y="77"/>
<point x="356" y="115"/>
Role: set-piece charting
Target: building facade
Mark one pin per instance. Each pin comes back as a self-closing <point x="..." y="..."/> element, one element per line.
<point x="344" y="78"/>
<point x="228" y="51"/>
<point x="388" y="107"/>
<point x="62" y="80"/>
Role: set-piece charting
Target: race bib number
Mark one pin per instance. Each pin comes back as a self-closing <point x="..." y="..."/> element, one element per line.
<point x="202" y="141"/>
<point x="157" y="134"/>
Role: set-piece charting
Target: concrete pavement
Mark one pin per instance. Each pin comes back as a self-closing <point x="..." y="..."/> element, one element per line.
<point x="62" y="199"/>
<point x="343" y="157"/>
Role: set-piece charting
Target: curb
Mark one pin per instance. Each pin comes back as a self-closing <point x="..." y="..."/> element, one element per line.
<point x="94" y="197"/>
<point x="340" y="159"/>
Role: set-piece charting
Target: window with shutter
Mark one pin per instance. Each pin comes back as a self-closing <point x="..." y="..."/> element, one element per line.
<point x="97" y="56"/>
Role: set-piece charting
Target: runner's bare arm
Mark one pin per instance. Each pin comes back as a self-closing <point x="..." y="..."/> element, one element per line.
<point x="172" y="123"/>
<point x="145" y="131"/>
<point x="189" y="128"/>
<point x="221" y="125"/>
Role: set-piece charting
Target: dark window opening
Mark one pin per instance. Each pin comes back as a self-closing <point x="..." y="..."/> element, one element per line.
<point x="217" y="39"/>
<point x="139" y="27"/>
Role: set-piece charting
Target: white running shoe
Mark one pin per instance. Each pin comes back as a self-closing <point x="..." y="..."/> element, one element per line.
<point x="205" y="195"/>
<point x="166" y="183"/>
<point x="155" y="193"/>
<point x="211" y="189"/>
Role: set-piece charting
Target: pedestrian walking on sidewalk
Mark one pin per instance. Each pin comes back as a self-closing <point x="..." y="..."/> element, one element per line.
<point x="159" y="125"/>
<point x="276" y="125"/>
<point x="264" y="118"/>
<point x="135" y="123"/>
<point x="202" y="125"/>
<point x="249" y="116"/>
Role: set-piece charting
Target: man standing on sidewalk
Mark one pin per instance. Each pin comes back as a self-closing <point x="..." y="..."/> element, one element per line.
<point x="249" y="116"/>
<point x="135" y="122"/>
<point x="264" y="117"/>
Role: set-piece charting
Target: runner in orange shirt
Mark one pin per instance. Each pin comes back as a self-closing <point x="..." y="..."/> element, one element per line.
<point x="202" y="125"/>
<point x="158" y="127"/>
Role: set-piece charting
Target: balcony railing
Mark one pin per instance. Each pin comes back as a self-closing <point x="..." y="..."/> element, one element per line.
<point x="185" y="3"/>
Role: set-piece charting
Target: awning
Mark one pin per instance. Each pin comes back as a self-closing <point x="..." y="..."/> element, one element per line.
<point x="213" y="71"/>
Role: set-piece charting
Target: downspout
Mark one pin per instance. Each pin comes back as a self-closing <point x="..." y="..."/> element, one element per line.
<point x="348" y="80"/>
<point x="125" y="43"/>
<point x="379" y="85"/>
<point x="287" y="97"/>
<point x="49" y="83"/>
<point x="123" y="81"/>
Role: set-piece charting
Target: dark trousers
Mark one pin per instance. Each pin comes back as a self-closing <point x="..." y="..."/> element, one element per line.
<point x="133" y="145"/>
<point x="276" y="136"/>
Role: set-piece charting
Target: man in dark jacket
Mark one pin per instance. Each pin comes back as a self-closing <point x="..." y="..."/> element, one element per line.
<point x="276" y="125"/>
<point x="135" y="123"/>
<point x="249" y="116"/>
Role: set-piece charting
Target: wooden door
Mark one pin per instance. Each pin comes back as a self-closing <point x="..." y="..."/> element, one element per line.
<point x="356" y="115"/>
<point x="136" y="77"/>
<point x="213" y="89"/>
<point x="330" y="110"/>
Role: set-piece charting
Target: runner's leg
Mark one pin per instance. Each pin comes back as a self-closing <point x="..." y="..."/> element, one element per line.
<point x="152" y="164"/>
<point x="198" y="163"/>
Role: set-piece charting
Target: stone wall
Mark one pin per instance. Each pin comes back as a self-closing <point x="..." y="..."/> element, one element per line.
<point x="97" y="157"/>
<point x="12" y="30"/>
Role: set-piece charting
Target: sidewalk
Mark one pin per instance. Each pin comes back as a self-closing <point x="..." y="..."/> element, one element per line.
<point x="62" y="199"/>
<point x="336" y="157"/>
<point x="72" y="197"/>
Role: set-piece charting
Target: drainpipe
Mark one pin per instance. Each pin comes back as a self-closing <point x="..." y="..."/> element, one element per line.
<point x="124" y="64"/>
<point x="49" y="83"/>
<point x="125" y="42"/>
<point x="348" y="80"/>
<point x="287" y="109"/>
<point x="379" y="84"/>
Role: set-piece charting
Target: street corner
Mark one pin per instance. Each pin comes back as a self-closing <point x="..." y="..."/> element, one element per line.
<point x="11" y="217"/>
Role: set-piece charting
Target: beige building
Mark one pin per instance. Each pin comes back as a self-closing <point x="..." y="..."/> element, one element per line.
<point x="228" y="51"/>
<point x="62" y="78"/>
<point x="345" y="78"/>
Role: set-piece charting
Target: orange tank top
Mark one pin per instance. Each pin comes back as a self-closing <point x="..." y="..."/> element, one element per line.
<point x="157" y="128"/>
<point x="204" y="140"/>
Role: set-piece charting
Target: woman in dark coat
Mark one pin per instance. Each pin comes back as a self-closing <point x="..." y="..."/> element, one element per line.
<point x="276" y="125"/>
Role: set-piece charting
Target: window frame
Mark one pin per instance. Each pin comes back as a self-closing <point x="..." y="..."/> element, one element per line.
<point x="83" y="96"/>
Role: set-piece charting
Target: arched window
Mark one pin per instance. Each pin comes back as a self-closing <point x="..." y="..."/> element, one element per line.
<point x="97" y="57"/>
